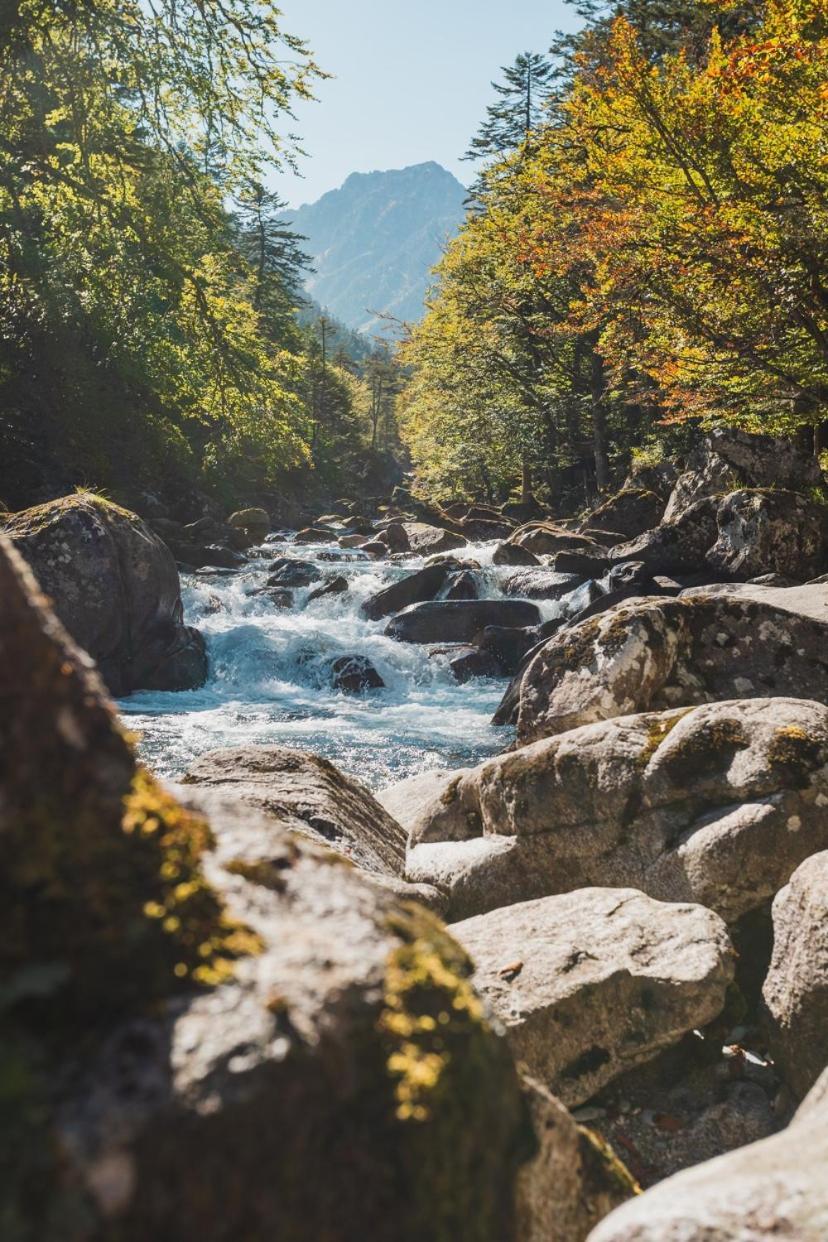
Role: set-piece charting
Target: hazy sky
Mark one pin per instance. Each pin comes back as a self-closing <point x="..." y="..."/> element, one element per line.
<point x="411" y="79"/>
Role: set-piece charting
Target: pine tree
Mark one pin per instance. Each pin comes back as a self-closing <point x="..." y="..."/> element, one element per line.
<point x="519" y="110"/>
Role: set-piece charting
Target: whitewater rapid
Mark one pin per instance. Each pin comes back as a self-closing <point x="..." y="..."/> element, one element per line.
<point x="269" y="676"/>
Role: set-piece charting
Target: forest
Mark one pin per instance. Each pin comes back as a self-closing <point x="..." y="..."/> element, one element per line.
<point x="643" y="254"/>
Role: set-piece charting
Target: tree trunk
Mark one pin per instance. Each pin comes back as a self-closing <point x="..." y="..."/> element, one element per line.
<point x="599" y="424"/>
<point x="525" y="480"/>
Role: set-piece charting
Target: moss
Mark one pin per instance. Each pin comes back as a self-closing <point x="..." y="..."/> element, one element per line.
<point x="658" y="729"/>
<point x="39" y="517"/>
<point x="453" y="1080"/>
<point x="604" y="1172"/>
<point x="793" y="755"/>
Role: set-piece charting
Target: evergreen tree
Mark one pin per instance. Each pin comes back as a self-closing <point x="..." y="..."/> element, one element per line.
<point x="519" y="109"/>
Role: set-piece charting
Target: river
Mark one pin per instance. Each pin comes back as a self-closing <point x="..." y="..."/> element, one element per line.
<point x="269" y="680"/>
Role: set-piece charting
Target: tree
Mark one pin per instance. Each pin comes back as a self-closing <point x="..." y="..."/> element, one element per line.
<point x="519" y="109"/>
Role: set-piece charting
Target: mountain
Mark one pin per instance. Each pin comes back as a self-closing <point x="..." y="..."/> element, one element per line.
<point x="374" y="240"/>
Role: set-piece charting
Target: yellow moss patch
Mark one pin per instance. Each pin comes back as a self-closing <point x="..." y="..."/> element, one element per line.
<point x="428" y="1003"/>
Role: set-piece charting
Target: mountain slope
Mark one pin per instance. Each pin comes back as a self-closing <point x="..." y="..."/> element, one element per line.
<point x="374" y="241"/>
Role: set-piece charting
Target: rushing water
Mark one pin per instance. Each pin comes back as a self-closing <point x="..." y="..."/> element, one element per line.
<point x="269" y="678"/>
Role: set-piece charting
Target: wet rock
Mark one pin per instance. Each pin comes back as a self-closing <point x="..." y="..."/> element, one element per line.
<point x="280" y="597"/>
<point x="334" y="586"/>
<point x="395" y="536"/>
<point x="507" y="646"/>
<point x="424" y="584"/>
<point x="287" y="572"/>
<point x="472" y="662"/>
<point x="351" y="541"/>
<point x="376" y="549"/>
<point x="462" y="585"/>
<point x="513" y="554"/>
<point x="592" y="983"/>
<point x="655" y="653"/>
<point x="630" y="512"/>
<point x="575" y="1180"/>
<point x="796" y="988"/>
<point x="677" y="546"/>
<point x="717" y="804"/>
<point x="254" y="524"/>
<point x="355" y="675"/>
<point x="771" y="1189"/>
<point x="307" y="795"/>
<point x="728" y="459"/>
<point x="212" y="556"/>
<point x="425" y="539"/>
<point x="769" y="532"/>
<point x="114" y="585"/>
<point x="540" y="584"/>
<point x="458" y="621"/>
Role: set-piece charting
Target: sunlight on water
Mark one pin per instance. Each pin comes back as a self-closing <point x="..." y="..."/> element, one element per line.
<point x="269" y="679"/>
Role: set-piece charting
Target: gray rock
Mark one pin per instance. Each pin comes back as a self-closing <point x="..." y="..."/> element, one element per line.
<point x="650" y="654"/>
<point x="728" y="459"/>
<point x="254" y="524"/>
<point x="309" y="796"/>
<point x="114" y="585"/>
<point x="773" y="1189"/>
<point x="630" y="512"/>
<point x="548" y="537"/>
<point x="425" y="539"/>
<point x="462" y="585"/>
<point x="591" y="983"/>
<point x="716" y="804"/>
<point x="796" y="987"/>
<point x="574" y="1181"/>
<point x="540" y="584"/>
<point x="513" y="554"/>
<point x="458" y="621"/>
<point x="355" y="674"/>
<point x="289" y="572"/>
<point x="334" y="586"/>
<point x="769" y="532"/>
<point x="679" y="545"/>
<point x="425" y="584"/>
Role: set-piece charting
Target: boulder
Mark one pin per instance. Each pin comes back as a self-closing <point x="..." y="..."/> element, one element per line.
<point x="548" y="538"/>
<point x="458" y="621"/>
<point x="540" y="584"/>
<point x="471" y="662"/>
<point x="507" y="646"/>
<point x="728" y="459"/>
<point x="280" y="597"/>
<point x="310" y="797"/>
<point x="652" y="653"/>
<point x="659" y="477"/>
<point x="203" y="556"/>
<point x="254" y="524"/>
<point x="285" y="571"/>
<point x="114" y="585"/>
<point x="717" y="804"/>
<point x="513" y="554"/>
<point x="573" y="1182"/>
<point x="583" y="564"/>
<point x="376" y="549"/>
<point x="523" y="510"/>
<point x="334" y="586"/>
<point x="354" y="675"/>
<point x="351" y="541"/>
<point x="395" y="536"/>
<point x="677" y="546"/>
<point x="796" y="987"/>
<point x="425" y="539"/>
<point x="769" y="532"/>
<point x="481" y="529"/>
<point x="769" y="1190"/>
<point x="416" y="588"/>
<point x="591" y="983"/>
<point x="630" y="512"/>
<point x="462" y="585"/>
<point x="315" y="534"/>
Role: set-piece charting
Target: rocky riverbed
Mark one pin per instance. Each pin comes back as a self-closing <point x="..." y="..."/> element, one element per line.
<point x="512" y="900"/>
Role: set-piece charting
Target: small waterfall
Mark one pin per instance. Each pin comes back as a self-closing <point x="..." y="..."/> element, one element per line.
<point x="270" y="679"/>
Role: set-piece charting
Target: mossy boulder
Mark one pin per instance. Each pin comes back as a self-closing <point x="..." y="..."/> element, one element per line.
<point x="209" y="1028"/>
<point x="630" y="512"/>
<point x="114" y="585"/>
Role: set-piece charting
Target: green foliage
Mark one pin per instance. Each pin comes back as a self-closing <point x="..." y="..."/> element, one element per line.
<point x="654" y="254"/>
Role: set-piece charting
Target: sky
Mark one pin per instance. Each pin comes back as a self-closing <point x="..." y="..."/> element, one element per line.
<point x="412" y="80"/>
